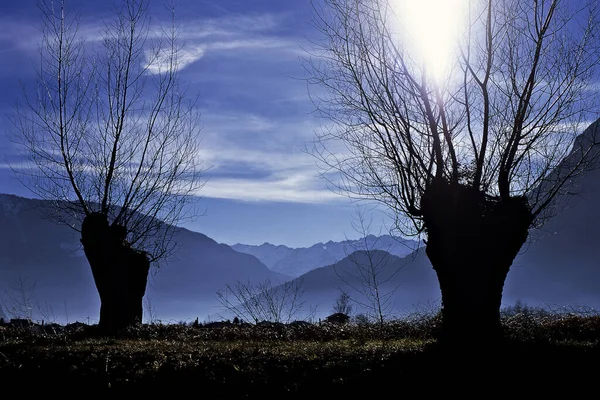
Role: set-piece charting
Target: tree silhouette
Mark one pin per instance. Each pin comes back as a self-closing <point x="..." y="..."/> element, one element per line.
<point x="373" y="273"/>
<point x="263" y="301"/>
<point x="112" y="141"/>
<point x="473" y="160"/>
<point x="342" y="304"/>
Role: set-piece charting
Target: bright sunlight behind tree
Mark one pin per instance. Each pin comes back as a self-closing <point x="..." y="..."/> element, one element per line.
<point x="466" y="133"/>
<point x="432" y="29"/>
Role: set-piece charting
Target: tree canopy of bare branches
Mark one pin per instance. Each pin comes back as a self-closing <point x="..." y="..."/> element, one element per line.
<point x="370" y="282"/>
<point x="478" y="155"/>
<point x="109" y="127"/>
<point x="522" y="87"/>
<point x="110" y="136"/>
<point x="263" y="301"/>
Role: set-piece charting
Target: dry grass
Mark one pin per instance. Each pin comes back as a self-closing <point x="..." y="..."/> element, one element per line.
<point x="246" y="360"/>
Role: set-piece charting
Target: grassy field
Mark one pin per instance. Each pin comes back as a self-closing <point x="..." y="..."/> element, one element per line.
<point x="542" y="351"/>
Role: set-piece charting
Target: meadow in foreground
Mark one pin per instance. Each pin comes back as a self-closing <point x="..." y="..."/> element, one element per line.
<point x="543" y="350"/>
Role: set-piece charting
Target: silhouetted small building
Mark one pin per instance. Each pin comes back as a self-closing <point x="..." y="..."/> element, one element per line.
<point x="338" y="318"/>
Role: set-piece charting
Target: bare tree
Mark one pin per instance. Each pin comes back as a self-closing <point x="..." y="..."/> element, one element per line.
<point x="472" y="161"/>
<point x="371" y="278"/>
<point x="150" y="311"/>
<point x="343" y="304"/>
<point x="112" y="140"/>
<point x="263" y="301"/>
<point x="18" y="299"/>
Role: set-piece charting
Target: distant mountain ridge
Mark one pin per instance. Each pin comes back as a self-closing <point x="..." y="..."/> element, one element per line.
<point x="297" y="261"/>
<point x="50" y="256"/>
<point x="558" y="267"/>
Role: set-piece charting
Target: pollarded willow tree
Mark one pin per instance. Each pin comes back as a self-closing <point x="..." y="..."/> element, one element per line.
<point x="473" y="158"/>
<point x="111" y="139"/>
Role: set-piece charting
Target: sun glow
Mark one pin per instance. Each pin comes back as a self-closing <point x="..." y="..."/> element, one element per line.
<point x="430" y="30"/>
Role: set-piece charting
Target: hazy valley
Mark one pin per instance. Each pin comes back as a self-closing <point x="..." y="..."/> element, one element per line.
<point x="558" y="267"/>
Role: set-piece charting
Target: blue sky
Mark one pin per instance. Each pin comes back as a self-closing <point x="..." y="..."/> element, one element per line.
<point x="243" y="60"/>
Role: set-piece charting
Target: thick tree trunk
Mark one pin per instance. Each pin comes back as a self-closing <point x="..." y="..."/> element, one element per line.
<point x="472" y="241"/>
<point x="120" y="273"/>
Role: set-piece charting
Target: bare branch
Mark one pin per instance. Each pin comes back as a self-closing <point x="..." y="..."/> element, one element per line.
<point x="526" y="88"/>
<point x="110" y="128"/>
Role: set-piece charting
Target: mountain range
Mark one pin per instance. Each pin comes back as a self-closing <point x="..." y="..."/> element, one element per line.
<point x="298" y="261"/>
<point x="44" y="261"/>
<point x="558" y="267"/>
<point x="42" y="265"/>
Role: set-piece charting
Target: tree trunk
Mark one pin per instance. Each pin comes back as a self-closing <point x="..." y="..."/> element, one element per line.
<point x="472" y="240"/>
<point x="120" y="272"/>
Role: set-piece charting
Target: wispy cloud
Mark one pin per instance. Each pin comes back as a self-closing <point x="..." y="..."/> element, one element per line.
<point x="297" y="188"/>
<point x="19" y="35"/>
<point x="256" y="43"/>
<point x="229" y="34"/>
<point x="229" y="25"/>
<point x="270" y="151"/>
<point x="256" y="120"/>
<point x="199" y="36"/>
<point x="162" y="62"/>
